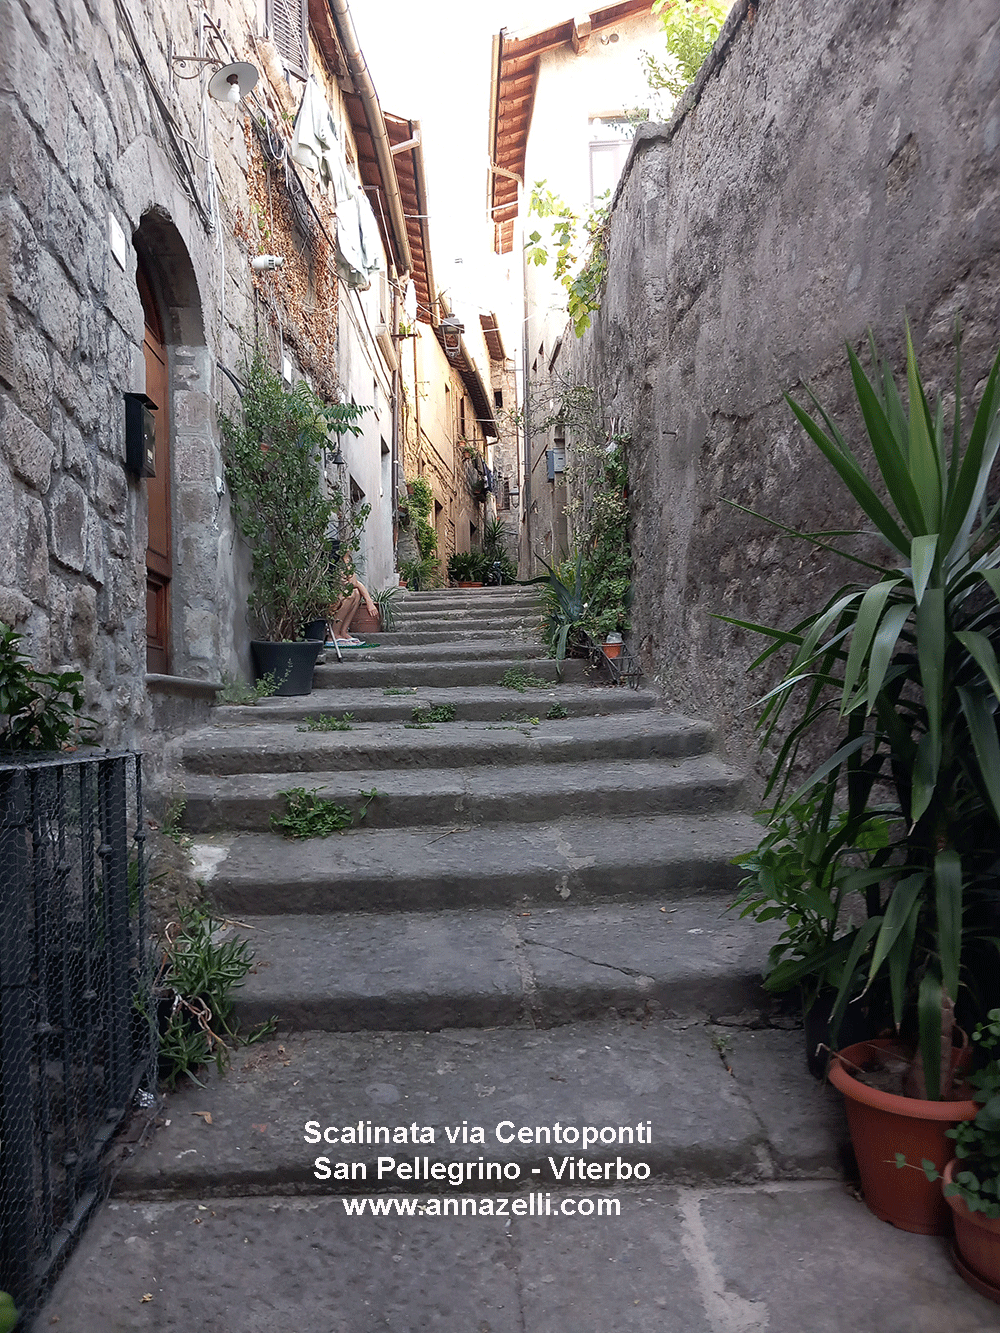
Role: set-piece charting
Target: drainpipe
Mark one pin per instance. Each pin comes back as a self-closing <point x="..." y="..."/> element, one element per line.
<point x="526" y="389"/>
<point x="396" y="412"/>
<point x="376" y="125"/>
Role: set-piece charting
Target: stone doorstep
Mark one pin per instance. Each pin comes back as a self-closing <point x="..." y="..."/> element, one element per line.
<point x="484" y="794"/>
<point x="539" y="967"/>
<point x="473" y="703"/>
<point x="752" y="1113"/>
<point x="589" y="860"/>
<point x="276" y="748"/>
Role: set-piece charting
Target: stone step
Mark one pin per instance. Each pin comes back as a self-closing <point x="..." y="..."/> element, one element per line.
<point x="507" y="594"/>
<point x="484" y="621"/>
<point x="276" y="748"/>
<point x="455" y="631"/>
<point x="535" y="967"/>
<point x="482" y="795"/>
<point x="370" y="671"/>
<point x="472" y="703"/>
<point x="589" y="860"/>
<point x="472" y="648"/>
<point x="716" y="1104"/>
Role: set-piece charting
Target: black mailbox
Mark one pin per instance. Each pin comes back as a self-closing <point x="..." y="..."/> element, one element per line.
<point x="140" y="435"/>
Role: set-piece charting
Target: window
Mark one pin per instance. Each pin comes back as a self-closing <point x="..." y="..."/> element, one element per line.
<point x="286" y="21"/>
<point x="498" y="398"/>
<point x="610" y="137"/>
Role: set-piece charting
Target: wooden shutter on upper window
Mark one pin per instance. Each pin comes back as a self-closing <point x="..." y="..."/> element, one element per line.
<point x="287" y="22"/>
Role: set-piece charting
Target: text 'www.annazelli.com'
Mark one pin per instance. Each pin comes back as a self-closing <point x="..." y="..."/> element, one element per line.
<point x="531" y="1205"/>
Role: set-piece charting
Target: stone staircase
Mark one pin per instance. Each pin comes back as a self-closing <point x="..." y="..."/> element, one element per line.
<point x="531" y="915"/>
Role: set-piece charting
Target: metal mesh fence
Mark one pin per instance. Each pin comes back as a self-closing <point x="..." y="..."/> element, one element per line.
<point x="77" y="1030"/>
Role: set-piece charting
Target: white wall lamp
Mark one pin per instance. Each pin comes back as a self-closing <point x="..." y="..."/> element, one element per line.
<point x="229" y="83"/>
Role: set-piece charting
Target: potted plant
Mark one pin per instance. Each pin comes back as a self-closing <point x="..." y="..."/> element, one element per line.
<point x="271" y="451"/>
<point x="904" y="663"/>
<point x="385" y="601"/>
<point x="972" y="1178"/>
<point x="801" y="873"/>
<point x="465" y="568"/>
<point x="418" y="574"/>
<point x="498" y="566"/>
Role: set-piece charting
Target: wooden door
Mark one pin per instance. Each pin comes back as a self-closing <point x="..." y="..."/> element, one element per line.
<point x="159" y="566"/>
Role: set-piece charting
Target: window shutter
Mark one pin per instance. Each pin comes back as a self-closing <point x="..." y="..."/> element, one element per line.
<point x="287" y="21"/>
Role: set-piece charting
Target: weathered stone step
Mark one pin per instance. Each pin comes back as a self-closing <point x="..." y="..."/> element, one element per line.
<point x="537" y="967"/>
<point x="472" y="703"/>
<point x="482" y="795"/>
<point x="276" y="748"/>
<point x="473" y="648"/>
<point x="588" y="860"/>
<point x="377" y="674"/>
<point x="721" y="1104"/>
<point x="507" y="594"/>
<point x="454" y="631"/>
<point x="483" y="620"/>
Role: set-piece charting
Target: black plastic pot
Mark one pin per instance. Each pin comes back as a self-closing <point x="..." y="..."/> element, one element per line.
<point x="291" y="664"/>
<point x="314" y="629"/>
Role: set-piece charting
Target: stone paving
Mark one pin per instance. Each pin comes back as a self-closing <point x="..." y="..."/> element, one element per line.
<point x="525" y="1077"/>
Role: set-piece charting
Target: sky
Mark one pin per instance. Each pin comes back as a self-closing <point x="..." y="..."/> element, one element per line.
<point x="430" y="61"/>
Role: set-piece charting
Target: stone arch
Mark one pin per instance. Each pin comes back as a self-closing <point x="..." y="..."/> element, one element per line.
<point x="194" y="461"/>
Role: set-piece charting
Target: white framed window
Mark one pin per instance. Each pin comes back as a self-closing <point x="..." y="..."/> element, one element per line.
<point x="610" y="136"/>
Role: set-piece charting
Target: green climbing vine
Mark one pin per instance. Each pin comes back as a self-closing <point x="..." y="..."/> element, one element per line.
<point x="580" y="255"/>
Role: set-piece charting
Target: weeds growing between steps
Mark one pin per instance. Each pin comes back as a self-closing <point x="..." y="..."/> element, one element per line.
<point x="310" y="815"/>
<point x="193" y="996"/>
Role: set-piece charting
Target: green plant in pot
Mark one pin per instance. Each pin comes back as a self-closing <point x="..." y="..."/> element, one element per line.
<point x="902" y="665"/>
<point x="804" y="873"/>
<point x="465" y="567"/>
<point x="272" y="453"/>
<point x="498" y="565"/>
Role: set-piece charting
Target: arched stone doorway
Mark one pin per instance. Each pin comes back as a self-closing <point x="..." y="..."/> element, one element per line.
<point x="177" y="380"/>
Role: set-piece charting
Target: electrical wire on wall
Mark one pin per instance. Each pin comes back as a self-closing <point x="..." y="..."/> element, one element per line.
<point x="182" y="151"/>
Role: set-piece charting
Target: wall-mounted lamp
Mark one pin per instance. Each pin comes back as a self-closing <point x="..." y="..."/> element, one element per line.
<point x="267" y="263"/>
<point x="229" y="83"/>
<point x="452" y="329"/>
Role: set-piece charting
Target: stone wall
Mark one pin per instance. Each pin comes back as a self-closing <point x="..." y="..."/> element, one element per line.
<point x="108" y="149"/>
<point x="834" y="167"/>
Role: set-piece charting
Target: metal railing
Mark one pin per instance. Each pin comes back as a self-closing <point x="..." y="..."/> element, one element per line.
<point x="77" y="1029"/>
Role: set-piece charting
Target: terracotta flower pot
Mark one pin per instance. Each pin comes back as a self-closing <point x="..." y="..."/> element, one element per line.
<point x="977" y="1243"/>
<point x="883" y="1125"/>
<point x="363" y="622"/>
<point x="612" y="650"/>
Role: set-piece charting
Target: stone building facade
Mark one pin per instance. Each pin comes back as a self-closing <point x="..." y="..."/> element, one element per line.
<point x="835" y="168"/>
<point x="132" y="205"/>
<point x="563" y="107"/>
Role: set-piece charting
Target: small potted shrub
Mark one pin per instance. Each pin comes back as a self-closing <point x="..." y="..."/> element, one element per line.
<point x="465" y="569"/>
<point x="272" y="454"/>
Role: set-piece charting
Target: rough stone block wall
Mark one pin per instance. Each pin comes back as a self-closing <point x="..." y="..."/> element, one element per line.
<point x="834" y="168"/>
<point x="98" y="132"/>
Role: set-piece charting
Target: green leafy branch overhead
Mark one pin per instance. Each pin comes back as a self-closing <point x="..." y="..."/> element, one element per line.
<point x="690" y="28"/>
<point x="579" y="250"/>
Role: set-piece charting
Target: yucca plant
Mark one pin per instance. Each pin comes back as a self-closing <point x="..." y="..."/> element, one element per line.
<point x="565" y="607"/>
<point x="906" y="661"/>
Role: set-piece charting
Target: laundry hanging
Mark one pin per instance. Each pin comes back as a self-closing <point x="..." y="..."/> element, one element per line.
<point x="317" y="146"/>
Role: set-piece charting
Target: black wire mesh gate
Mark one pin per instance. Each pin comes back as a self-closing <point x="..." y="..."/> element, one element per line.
<point x="77" y="1030"/>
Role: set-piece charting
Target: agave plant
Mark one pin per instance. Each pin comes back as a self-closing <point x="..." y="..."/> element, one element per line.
<point x="565" y="606"/>
<point x="906" y="660"/>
